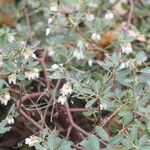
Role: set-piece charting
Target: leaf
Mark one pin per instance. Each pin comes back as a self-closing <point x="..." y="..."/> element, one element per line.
<point x="55" y="143"/>
<point x="145" y="70"/>
<point x="116" y="139"/>
<point x="87" y="91"/>
<point x="126" y="143"/>
<point x="113" y="128"/>
<point x="39" y="147"/>
<point x="97" y="86"/>
<point x="92" y="143"/>
<point x="127" y="116"/>
<point x="102" y="133"/>
<point x="57" y="75"/>
<point x="140" y="56"/>
<point x="3" y="127"/>
<point x="89" y="113"/>
<point x="21" y="76"/>
<point x="90" y="103"/>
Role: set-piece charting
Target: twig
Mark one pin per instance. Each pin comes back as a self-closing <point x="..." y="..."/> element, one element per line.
<point x="68" y="132"/>
<point x="79" y="109"/>
<point x="73" y="124"/>
<point x="86" y="38"/>
<point x="28" y="20"/>
<point x="30" y="119"/>
<point x="113" y="114"/>
<point x="43" y="65"/>
<point x="130" y="13"/>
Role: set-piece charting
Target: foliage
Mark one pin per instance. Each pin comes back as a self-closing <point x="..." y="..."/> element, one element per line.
<point x="75" y="74"/>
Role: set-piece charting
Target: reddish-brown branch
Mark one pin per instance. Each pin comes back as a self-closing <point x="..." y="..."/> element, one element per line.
<point x="113" y="114"/>
<point x="32" y="95"/>
<point x="130" y="13"/>
<point x="79" y="109"/>
<point x="30" y="119"/>
<point x="43" y="65"/>
<point x="28" y="20"/>
<point x="73" y="124"/>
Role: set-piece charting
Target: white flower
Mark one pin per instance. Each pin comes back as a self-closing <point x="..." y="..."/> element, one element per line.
<point x="54" y="8"/>
<point x="12" y="78"/>
<point x="50" y="20"/>
<point x="51" y="52"/>
<point x="126" y="48"/>
<point x="80" y="44"/>
<point x="78" y="54"/>
<point x="48" y="30"/>
<point x="93" y="5"/>
<point x="5" y="98"/>
<point x="54" y="66"/>
<point x="10" y="119"/>
<point x="11" y="38"/>
<point x="95" y="37"/>
<point x="32" y="74"/>
<point x="28" y="53"/>
<point x="131" y="63"/>
<point x="90" y="62"/>
<point x="33" y="140"/>
<point x="1" y="60"/>
<point x="103" y="106"/>
<point x="62" y="99"/>
<point x="122" y="66"/>
<point x="66" y="89"/>
<point x="109" y="16"/>
<point x="89" y="17"/>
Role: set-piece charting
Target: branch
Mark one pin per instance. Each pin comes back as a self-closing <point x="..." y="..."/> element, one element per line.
<point x="73" y="124"/>
<point x="130" y="13"/>
<point x="28" y="20"/>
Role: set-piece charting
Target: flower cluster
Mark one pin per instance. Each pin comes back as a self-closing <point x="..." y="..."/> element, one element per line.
<point x="28" y="53"/>
<point x="5" y="98"/>
<point x="33" y="140"/>
<point x="95" y="37"/>
<point x="89" y="17"/>
<point x="109" y="16"/>
<point x="10" y="119"/>
<point x="126" y="48"/>
<point x="12" y="78"/>
<point x="131" y="63"/>
<point x="66" y="90"/>
<point x="78" y="53"/>
<point x="32" y="74"/>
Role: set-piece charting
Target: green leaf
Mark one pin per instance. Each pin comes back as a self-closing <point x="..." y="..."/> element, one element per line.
<point x="57" y="75"/>
<point x="21" y="76"/>
<point x="90" y="103"/>
<point x="127" y="116"/>
<point x="89" y="113"/>
<point x="87" y="91"/>
<point x="145" y="70"/>
<point x="55" y="143"/>
<point x="102" y="133"/>
<point x="116" y="139"/>
<point x="3" y="127"/>
<point x="97" y="86"/>
<point x="140" y="56"/>
<point x="92" y="143"/>
<point x="39" y="147"/>
<point x="126" y="143"/>
<point x="113" y="128"/>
